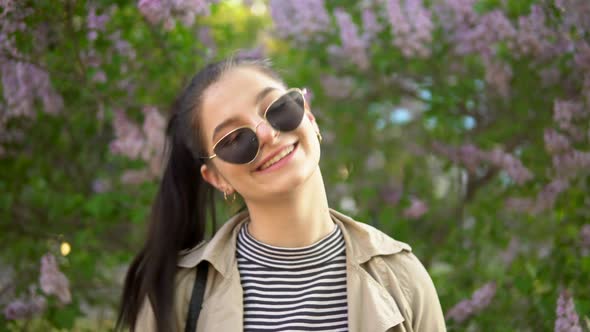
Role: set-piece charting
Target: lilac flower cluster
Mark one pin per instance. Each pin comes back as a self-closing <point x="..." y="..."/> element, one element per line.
<point x="118" y="47"/>
<point x="473" y="158"/>
<point x="354" y="46"/>
<point x="575" y="15"/>
<point x="206" y="38"/>
<point x="24" y="308"/>
<point x="53" y="281"/>
<point x="544" y="200"/>
<point x="510" y="164"/>
<point x="567" y="318"/>
<point x="391" y="193"/>
<point x="498" y="75"/>
<point x="302" y="21"/>
<point x="411" y="27"/>
<point x="168" y="11"/>
<point x="567" y="161"/>
<point x="337" y="87"/>
<point x="23" y="83"/>
<point x="471" y="33"/>
<point x="556" y="142"/>
<point x="566" y="114"/>
<point x="533" y="36"/>
<point x="371" y="26"/>
<point x="571" y="163"/>
<point x="585" y="236"/>
<point x="416" y="209"/>
<point x="480" y="299"/>
<point x="510" y="253"/>
<point x="95" y="23"/>
<point x="145" y="143"/>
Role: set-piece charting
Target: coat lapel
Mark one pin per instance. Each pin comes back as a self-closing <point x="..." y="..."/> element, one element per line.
<point x="370" y="307"/>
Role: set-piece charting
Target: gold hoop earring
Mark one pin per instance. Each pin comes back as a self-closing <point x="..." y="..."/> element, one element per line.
<point x="319" y="136"/>
<point x="233" y="198"/>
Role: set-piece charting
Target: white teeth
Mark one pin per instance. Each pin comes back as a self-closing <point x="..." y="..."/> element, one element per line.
<point x="278" y="157"/>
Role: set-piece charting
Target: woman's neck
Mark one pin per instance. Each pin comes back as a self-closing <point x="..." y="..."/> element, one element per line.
<point x="297" y="219"/>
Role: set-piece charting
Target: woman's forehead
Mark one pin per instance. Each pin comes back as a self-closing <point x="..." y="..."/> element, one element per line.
<point x="234" y="92"/>
<point x="241" y="82"/>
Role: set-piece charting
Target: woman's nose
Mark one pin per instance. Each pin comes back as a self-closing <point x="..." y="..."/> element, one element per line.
<point x="265" y="132"/>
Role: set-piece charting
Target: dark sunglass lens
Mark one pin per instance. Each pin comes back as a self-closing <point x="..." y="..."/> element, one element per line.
<point x="239" y="147"/>
<point x="286" y="113"/>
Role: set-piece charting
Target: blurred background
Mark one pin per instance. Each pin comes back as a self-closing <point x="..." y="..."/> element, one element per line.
<point x="461" y="127"/>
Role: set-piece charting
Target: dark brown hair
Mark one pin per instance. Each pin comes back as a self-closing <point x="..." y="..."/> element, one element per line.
<point x="183" y="202"/>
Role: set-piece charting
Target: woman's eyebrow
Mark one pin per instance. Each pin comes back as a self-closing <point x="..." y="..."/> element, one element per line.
<point x="234" y="119"/>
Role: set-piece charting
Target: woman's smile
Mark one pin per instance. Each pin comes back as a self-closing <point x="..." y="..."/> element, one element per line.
<point x="278" y="160"/>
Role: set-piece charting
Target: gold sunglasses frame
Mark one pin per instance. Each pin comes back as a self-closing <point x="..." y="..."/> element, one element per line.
<point x="255" y="128"/>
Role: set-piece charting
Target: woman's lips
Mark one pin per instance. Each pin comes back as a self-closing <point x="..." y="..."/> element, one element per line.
<point x="284" y="160"/>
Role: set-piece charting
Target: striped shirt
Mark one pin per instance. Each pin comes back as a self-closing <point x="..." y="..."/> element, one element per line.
<point x="293" y="289"/>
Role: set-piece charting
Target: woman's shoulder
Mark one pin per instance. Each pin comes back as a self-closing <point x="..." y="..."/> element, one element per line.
<point x="189" y="258"/>
<point x="368" y="239"/>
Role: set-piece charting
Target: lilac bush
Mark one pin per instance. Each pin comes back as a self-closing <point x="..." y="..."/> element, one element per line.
<point x="567" y="318"/>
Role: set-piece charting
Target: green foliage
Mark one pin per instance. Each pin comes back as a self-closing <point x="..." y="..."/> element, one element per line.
<point x="50" y="179"/>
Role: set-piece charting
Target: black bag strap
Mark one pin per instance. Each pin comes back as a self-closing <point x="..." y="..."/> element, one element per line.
<point x="194" y="308"/>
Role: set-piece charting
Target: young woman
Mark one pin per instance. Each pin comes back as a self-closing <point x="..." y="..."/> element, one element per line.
<point x="286" y="263"/>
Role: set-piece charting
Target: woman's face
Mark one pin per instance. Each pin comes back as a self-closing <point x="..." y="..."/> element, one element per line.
<point x="236" y="100"/>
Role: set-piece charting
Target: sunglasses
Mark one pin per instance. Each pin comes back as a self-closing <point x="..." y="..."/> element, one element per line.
<point x="241" y="145"/>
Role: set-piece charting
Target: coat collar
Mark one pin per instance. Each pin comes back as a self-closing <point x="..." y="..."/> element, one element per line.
<point x="362" y="243"/>
<point x="370" y="306"/>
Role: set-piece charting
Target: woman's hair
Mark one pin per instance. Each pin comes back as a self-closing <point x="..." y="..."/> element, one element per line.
<point x="182" y="204"/>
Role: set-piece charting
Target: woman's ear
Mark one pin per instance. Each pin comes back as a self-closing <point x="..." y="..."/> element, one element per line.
<point x="311" y="118"/>
<point x="212" y="176"/>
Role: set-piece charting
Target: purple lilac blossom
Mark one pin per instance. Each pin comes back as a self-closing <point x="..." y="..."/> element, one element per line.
<point x="257" y="52"/>
<point x="302" y="20"/>
<point x="168" y="11"/>
<point x="567" y="318"/>
<point x="25" y="307"/>
<point x="95" y="23"/>
<point x="337" y="87"/>
<point x="416" y="209"/>
<point x="575" y="15"/>
<point x="470" y="32"/>
<point x="122" y="46"/>
<point x="371" y="27"/>
<point x="510" y="164"/>
<point x="53" y="281"/>
<point x="582" y="55"/>
<point x="23" y="83"/>
<point x="472" y="158"/>
<point x="498" y="76"/>
<point x="145" y="143"/>
<point x="391" y="193"/>
<point x="571" y="163"/>
<point x="585" y="236"/>
<point x="354" y="46"/>
<point x="555" y="142"/>
<point x="411" y="26"/>
<point x="100" y="186"/>
<point x="128" y="137"/>
<point x="544" y="200"/>
<point x="17" y="309"/>
<point x="206" y="38"/>
<point x="533" y="37"/>
<point x="510" y="253"/>
<point x="375" y="161"/>
<point x="466" y="308"/>
<point x="490" y="29"/>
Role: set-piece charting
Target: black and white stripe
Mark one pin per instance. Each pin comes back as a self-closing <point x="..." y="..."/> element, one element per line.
<point x="293" y="289"/>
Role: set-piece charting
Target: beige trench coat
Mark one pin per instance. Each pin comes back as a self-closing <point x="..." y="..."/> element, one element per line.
<point x="389" y="290"/>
